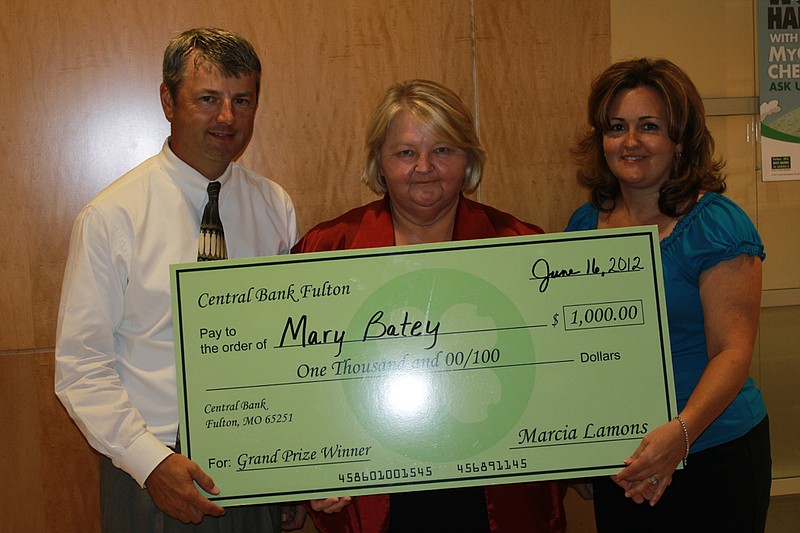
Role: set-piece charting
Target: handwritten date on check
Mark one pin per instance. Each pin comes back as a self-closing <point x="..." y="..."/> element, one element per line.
<point x="422" y="367"/>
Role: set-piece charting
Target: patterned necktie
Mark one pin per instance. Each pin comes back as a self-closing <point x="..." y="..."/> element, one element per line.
<point x="212" y="236"/>
<point x="212" y="244"/>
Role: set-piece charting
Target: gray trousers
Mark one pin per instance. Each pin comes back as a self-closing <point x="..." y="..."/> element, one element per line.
<point x="127" y="508"/>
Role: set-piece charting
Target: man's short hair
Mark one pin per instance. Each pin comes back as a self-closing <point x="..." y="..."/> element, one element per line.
<point x="229" y="52"/>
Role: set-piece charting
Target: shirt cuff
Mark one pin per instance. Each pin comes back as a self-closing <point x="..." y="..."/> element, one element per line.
<point x="142" y="457"/>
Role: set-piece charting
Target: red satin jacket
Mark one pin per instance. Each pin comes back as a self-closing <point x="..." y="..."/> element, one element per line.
<point x="522" y="507"/>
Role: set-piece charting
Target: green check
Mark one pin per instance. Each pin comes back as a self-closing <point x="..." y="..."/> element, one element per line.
<point x="422" y="367"/>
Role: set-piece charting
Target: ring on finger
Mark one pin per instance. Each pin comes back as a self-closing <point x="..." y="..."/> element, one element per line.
<point x="653" y="480"/>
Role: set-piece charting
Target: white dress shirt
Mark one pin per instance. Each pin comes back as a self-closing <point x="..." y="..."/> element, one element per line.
<point x="115" y="360"/>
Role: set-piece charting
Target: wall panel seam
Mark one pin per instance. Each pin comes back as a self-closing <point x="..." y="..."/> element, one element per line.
<point x="475" y="98"/>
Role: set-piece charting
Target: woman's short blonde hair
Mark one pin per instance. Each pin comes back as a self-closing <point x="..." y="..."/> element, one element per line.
<point x="434" y="107"/>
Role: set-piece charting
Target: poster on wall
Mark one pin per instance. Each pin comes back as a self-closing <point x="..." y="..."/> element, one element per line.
<point x="779" y="84"/>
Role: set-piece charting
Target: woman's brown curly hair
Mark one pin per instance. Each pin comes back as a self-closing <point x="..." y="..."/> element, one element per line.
<point x="694" y="170"/>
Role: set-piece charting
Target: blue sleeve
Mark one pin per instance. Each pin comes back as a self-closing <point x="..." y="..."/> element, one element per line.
<point x="718" y="231"/>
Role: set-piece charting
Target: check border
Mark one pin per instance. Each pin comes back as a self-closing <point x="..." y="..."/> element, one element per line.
<point x="179" y="273"/>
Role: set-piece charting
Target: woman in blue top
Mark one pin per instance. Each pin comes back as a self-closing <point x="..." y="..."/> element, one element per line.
<point x="648" y="159"/>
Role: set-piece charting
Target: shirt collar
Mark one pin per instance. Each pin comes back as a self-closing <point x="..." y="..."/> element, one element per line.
<point x="193" y="184"/>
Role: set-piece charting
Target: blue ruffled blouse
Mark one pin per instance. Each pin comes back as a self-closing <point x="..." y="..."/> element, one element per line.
<point x="715" y="230"/>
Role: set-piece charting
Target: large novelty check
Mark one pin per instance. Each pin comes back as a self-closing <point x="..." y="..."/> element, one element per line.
<point x="412" y="368"/>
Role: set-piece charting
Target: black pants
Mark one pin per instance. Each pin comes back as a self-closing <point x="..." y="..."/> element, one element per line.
<point x="458" y="510"/>
<point x="722" y="489"/>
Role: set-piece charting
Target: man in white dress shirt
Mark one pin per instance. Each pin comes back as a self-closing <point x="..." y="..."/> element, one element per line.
<point x="115" y="361"/>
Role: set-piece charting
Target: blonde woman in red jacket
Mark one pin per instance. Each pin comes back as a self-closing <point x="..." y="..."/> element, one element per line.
<point x="423" y="153"/>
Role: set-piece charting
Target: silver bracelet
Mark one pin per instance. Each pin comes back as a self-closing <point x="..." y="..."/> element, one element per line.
<point x="685" y="438"/>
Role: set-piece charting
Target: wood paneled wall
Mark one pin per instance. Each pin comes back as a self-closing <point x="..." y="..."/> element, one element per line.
<point x="80" y="107"/>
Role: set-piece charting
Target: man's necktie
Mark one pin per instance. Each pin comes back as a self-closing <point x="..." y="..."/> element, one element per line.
<point x="212" y="243"/>
<point x="212" y="236"/>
